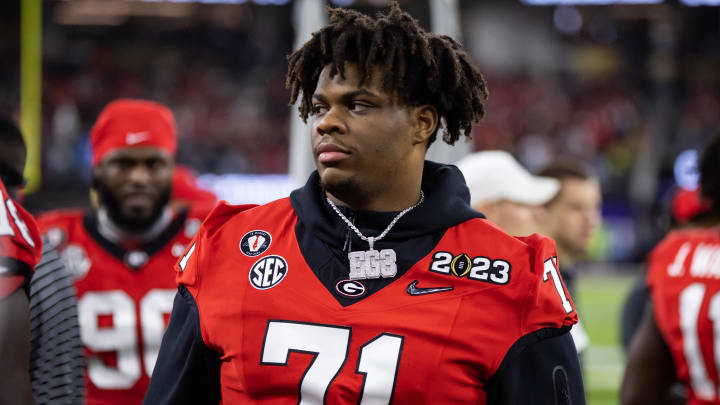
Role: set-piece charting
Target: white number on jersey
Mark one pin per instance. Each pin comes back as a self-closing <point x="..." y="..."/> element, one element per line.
<point x="184" y="260"/>
<point x="378" y="361"/>
<point x="691" y="299"/>
<point x="122" y="337"/>
<point x="8" y="206"/>
<point x="551" y="269"/>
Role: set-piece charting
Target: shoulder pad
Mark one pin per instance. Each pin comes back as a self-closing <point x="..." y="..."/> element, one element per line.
<point x="549" y="303"/>
<point x="188" y="267"/>
<point x="19" y="234"/>
<point x="58" y="218"/>
<point x="670" y="258"/>
<point x="221" y="213"/>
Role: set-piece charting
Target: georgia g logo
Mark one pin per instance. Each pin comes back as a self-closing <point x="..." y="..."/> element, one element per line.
<point x="350" y="288"/>
<point x="254" y="243"/>
<point x="268" y="272"/>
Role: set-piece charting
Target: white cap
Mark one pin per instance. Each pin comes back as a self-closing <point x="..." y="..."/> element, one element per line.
<point x="495" y="175"/>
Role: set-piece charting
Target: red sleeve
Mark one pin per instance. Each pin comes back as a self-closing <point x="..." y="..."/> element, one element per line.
<point x="549" y="304"/>
<point x="189" y="266"/>
<point x="20" y="245"/>
<point x="186" y="268"/>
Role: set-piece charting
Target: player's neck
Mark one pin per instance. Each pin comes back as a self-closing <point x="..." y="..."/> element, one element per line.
<point x="390" y="204"/>
<point x="388" y="198"/>
<point x="115" y="233"/>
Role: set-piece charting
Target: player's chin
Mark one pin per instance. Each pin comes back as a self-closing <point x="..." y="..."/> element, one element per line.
<point x="140" y="214"/>
<point x="339" y="182"/>
<point x="332" y="175"/>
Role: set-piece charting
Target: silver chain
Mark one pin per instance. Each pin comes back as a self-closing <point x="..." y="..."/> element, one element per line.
<point x="371" y="240"/>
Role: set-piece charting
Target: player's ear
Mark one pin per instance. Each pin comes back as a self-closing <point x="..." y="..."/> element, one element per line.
<point x="426" y="121"/>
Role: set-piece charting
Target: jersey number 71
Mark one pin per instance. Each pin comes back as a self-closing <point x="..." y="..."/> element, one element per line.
<point x="378" y="360"/>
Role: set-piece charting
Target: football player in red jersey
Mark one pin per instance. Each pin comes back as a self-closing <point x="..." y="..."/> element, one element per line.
<point x="20" y="250"/>
<point x="122" y="255"/>
<point x="679" y="334"/>
<point x="376" y="282"/>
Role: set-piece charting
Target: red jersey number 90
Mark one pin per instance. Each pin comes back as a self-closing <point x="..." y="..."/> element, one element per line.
<point x="121" y="336"/>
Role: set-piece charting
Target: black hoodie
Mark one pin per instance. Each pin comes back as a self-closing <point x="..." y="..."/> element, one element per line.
<point x="325" y="239"/>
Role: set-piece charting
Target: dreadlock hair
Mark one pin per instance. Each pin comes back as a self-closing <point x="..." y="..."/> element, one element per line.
<point x="417" y="67"/>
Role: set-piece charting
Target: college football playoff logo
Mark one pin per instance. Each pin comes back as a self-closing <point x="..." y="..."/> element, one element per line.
<point x="254" y="243"/>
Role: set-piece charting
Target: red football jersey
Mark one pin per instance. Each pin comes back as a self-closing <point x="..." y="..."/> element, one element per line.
<point x="19" y="242"/>
<point x="436" y="334"/>
<point x="124" y="300"/>
<point x="684" y="281"/>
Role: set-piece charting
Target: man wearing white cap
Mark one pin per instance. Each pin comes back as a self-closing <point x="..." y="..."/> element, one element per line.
<point x="506" y="192"/>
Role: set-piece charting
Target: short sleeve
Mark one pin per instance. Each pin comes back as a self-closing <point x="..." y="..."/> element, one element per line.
<point x="549" y="304"/>
<point x="20" y="245"/>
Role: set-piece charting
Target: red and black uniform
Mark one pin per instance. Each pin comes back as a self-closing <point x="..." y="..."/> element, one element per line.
<point x="125" y="295"/>
<point x="20" y="245"/>
<point x="684" y="283"/>
<point x="266" y="313"/>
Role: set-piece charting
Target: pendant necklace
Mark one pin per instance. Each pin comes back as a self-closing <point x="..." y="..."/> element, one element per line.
<point x="371" y="264"/>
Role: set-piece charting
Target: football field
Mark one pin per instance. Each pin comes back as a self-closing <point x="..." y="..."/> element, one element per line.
<point x="601" y="298"/>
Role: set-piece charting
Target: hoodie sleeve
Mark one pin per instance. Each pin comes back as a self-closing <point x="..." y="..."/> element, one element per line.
<point x="542" y="366"/>
<point x="187" y="372"/>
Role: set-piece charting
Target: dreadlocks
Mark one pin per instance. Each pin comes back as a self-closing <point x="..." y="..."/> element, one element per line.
<point x="417" y="67"/>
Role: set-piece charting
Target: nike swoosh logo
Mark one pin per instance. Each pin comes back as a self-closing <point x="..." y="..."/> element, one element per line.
<point x="412" y="289"/>
<point x="136" y="137"/>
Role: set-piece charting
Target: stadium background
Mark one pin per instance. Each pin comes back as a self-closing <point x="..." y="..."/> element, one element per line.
<point x="633" y="89"/>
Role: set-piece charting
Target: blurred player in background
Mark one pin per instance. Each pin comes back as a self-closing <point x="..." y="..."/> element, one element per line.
<point x="507" y="194"/>
<point x="122" y="255"/>
<point x="570" y="219"/>
<point x="20" y="250"/>
<point x="573" y="214"/>
<point x="677" y="340"/>
<point x="376" y="282"/>
<point x="688" y="210"/>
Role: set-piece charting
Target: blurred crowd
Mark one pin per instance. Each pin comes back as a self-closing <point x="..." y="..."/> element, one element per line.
<point x="225" y="87"/>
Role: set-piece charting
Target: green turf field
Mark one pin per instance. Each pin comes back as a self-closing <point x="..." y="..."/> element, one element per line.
<point x="600" y="300"/>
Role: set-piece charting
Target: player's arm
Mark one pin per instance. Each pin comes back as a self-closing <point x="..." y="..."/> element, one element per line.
<point x="187" y="371"/>
<point x="650" y="373"/>
<point x="15" y="350"/>
<point x="541" y="368"/>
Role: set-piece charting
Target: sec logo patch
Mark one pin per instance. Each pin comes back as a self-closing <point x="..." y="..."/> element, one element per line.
<point x="254" y="243"/>
<point x="268" y="272"/>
